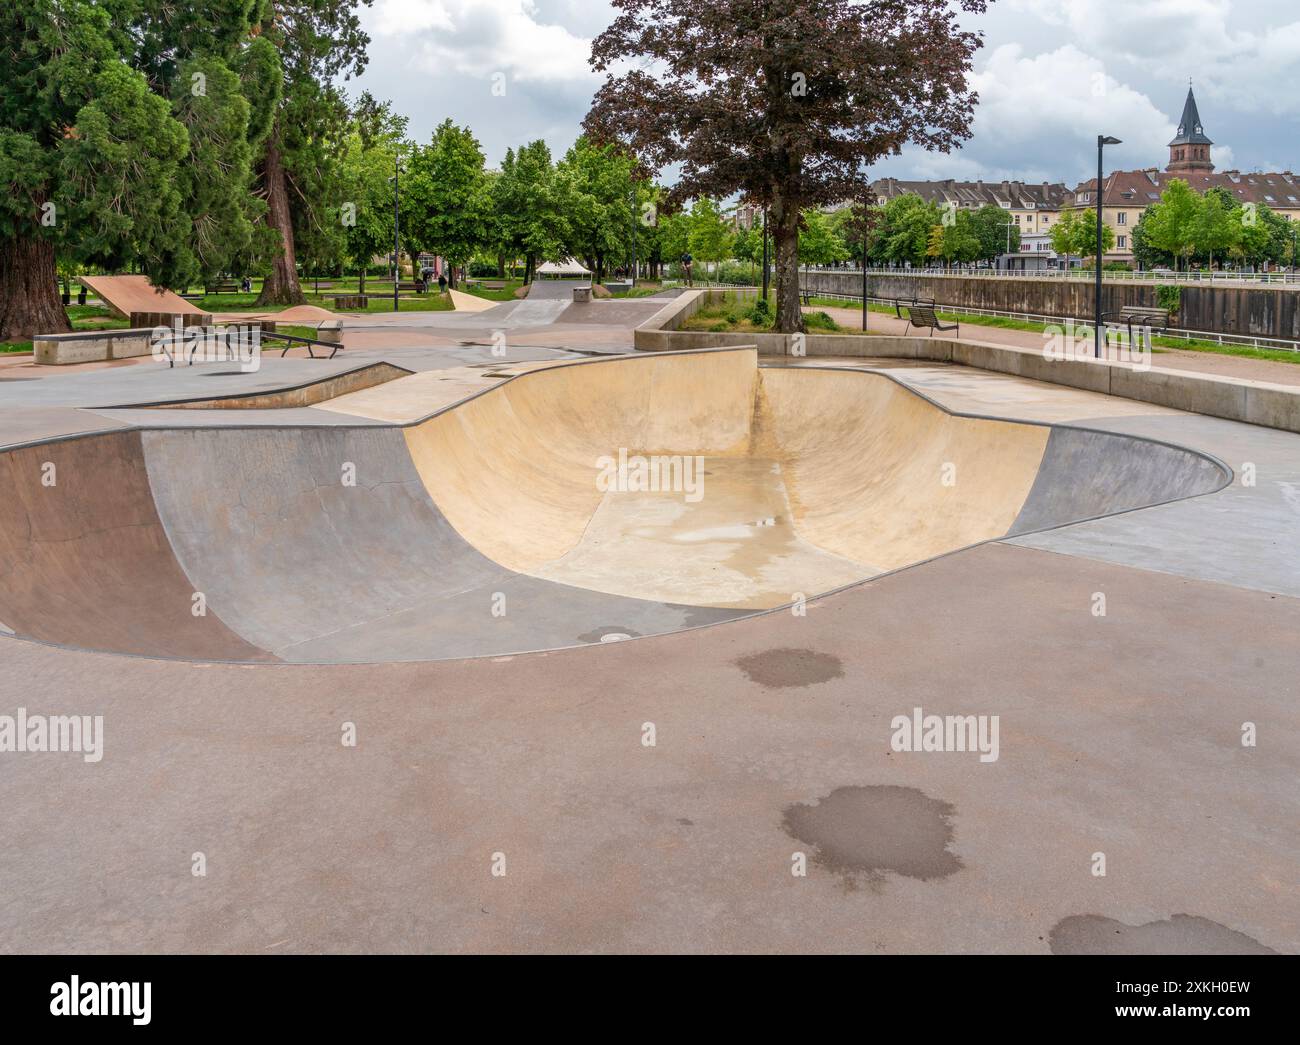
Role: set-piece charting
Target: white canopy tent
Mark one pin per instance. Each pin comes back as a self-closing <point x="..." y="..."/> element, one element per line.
<point x="569" y="268"/>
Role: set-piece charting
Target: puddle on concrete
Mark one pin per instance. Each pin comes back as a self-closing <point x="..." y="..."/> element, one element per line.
<point x="789" y="668"/>
<point x="867" y="831"/>
<point x="609" y="633"/>
<point x="1181" y="934"/>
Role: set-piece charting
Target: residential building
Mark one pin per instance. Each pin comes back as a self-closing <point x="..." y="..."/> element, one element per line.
<point x="1126" y="194"/>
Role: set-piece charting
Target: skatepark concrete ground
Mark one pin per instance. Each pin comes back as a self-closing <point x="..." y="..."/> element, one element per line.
<point x="503" y="800"/>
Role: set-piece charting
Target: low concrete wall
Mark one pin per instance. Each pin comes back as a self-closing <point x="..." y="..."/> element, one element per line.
<point x="656" y="333"/>
<point x="92" y="346"/>
<point x="1254" y="402"/>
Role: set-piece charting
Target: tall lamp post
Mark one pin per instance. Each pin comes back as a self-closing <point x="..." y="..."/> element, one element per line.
<point x="397" y="257"/>
<point x="1102" y="142"/>
<point x="632" y="197"/>
<point x="765" y="274"/>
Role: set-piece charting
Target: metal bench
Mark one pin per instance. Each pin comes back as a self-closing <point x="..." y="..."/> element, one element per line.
<point x="1147" y="318"/>
<point x="922" y="314"/>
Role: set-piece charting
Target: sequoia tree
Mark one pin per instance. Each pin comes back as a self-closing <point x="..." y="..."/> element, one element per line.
<point x="786" y="104"/>
<point x="89" y="160"/>
<point x="319" y="41"/>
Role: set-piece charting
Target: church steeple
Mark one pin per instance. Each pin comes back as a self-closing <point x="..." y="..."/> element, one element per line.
<point x="1190" y="149"/>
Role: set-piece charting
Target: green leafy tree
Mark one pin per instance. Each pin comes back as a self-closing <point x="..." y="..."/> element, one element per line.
<point x="223" y="84"/>
<point x="819" y="243"/>
<point x="1075" y="232"/>
<point x="785" y="104"/>
<point x="674" y="236"/>
<point x="90" y="161"/>
<point x="602" y="181"/>
<point x="320" y="42"/>
<point x="960" y="241"/>
<point x="710" y="235"/>
<point x="376" y="140"/>
<point x="906" y="222"/>
<point x="1169" y="226"/>
<point x="1217" y="229"/>
<point x="1144" y="253"/>
<point x="990" y="224"/>
<point x="445" y="194"/>
<point x="531" y="199"/>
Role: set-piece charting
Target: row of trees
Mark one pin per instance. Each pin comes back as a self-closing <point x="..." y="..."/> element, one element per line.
<point x="189" y="141"/>
<point x="181" y="140"/>
<point x="1186" y="227"/>
<point x="586" y="205"/>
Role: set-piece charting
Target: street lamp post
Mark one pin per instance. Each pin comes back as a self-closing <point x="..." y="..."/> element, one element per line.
<point x="632" y="193"/>
<point x="397" y="257"/>
<point x="765" y="273"/>
<point x="1102" y="142"/>
<point x="865" y="241"/>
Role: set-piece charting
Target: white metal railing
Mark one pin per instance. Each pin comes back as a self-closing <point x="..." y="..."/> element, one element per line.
<point x="1117" y="275"/>
<point x="1174" y="333"/>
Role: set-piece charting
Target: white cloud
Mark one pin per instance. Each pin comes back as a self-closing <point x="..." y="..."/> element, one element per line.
<point x="1039" y="116"/>
<point x="1243" y="54"/>
<point x="478" y="38"/>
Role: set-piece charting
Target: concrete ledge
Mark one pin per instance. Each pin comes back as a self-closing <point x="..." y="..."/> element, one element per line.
<point x="1197" y="393"/>
<point x="1253" y="402"/>
<point x="91" y="346"/>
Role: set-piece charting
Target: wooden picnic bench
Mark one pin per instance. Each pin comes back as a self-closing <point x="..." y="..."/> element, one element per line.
<point x="922" y="314"/>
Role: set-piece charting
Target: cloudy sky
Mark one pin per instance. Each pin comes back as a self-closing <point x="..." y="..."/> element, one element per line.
<point x="1051" y="76"/>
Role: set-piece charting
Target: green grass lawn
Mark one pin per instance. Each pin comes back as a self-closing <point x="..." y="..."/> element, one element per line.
<point x="433" y="302"/>
<point x="738" y="315"/>
<point x="506" y="293"/>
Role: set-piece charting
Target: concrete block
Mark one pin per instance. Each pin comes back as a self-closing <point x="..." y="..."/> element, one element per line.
<point x="125" y="344"/>
<point x="54" y="351"/>
<point x="1198" y="393"/>
<point x="1275" y="406"/>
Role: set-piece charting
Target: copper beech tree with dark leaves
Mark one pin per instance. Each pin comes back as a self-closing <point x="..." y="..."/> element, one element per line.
<point x="784" y="103"/>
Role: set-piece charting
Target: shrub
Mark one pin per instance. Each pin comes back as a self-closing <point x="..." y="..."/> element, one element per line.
<point x="819" y="321"/>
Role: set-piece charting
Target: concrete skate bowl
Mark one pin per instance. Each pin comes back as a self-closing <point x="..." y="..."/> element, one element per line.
<point x="483" y="530"/>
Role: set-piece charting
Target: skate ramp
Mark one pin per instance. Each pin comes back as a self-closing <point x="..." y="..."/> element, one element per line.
<point x="485" y="529"/>
<point x="126" y="294"/>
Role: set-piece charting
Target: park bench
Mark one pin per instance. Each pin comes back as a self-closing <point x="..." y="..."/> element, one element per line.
<point x="1144" y="317"/>
<point x="349" y="301"/>
<point x="223" y="286"/>
<point x="922" y="314"/>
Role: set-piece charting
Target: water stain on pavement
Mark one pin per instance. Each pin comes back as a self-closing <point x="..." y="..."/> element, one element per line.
<point x="867" y="831"/>
<point x="789" y="668"/>
<point x="1181" y="934"/>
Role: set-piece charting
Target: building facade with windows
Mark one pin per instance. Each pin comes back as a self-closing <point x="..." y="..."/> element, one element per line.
<point x="1126" y="194"/>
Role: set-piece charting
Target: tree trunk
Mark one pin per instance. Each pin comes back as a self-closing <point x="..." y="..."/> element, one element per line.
<point x="281" y="285"/>
<point x="29" y="290"/>
<point x="785" y="232"/>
